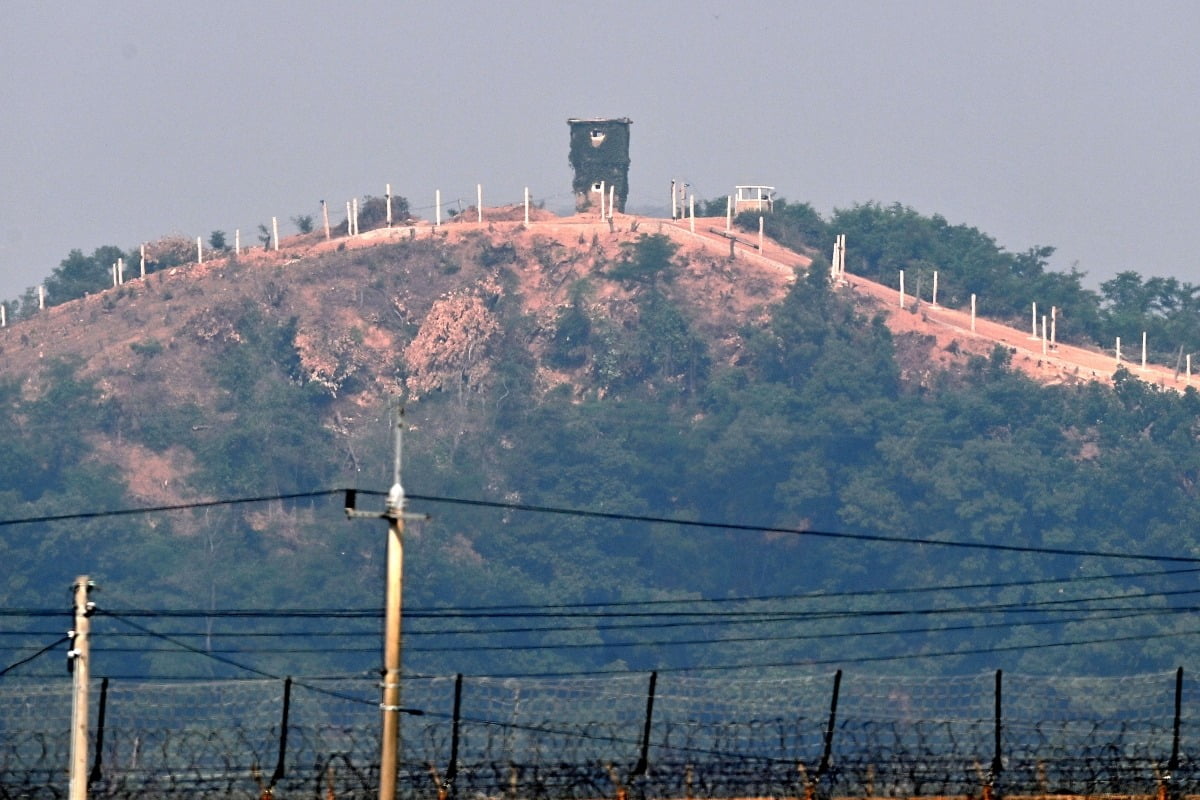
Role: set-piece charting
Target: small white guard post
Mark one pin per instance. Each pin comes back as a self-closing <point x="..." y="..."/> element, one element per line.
<point x="902" y="288"/>
<point x="237" y="241"/>
<point x="728" y="213"/>
<point x="275" y="232"/>
<point x="935" y="288"/>
<point x="1043" y="334"/>
<point x="1033" y="334"/>
<point x="4" y="323"/>
<point x="143" y="259"/>
<point x="199" y="250"/>
<point x="612" y="196"/>
<point x="42" y="296"/>
<point x="603" y="193"/>
<point x="674" y="204"/>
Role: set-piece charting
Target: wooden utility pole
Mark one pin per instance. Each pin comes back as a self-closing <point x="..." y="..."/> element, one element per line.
<point x="390" y="707"/>
<point x="79" y="662"/>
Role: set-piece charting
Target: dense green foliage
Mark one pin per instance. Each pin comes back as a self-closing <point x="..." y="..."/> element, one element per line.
<point x="882" y="240"/>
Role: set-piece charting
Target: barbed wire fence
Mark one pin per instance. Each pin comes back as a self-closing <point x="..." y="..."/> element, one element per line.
<point x="643" y="735"/>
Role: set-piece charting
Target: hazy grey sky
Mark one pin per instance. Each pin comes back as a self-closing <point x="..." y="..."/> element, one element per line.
<point x="1073" y="124"/>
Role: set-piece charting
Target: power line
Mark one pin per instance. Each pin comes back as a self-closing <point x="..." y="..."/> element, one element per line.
<point x="369" y="614"/>
<point x="230" y="662"/>
<point x="622" y="517"/>
<point x="659" y="643"/>
<point x="126" y="512"/>
<point x="36" y="655"/>
<point x="743" y="528"/>
<point x="677" y="619"/>
<point x="855" y="659"/>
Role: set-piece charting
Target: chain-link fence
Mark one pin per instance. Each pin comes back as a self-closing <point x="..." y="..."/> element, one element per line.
<point x="649" y="735"/>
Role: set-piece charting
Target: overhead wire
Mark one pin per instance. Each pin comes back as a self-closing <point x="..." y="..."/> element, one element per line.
<point x="658" y="643"/>
<point x="35" y="656"/>
<point x="613" y="516"/>
<point x="808" y="663"/>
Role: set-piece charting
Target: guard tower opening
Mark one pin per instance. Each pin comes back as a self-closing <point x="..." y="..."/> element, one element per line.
<point x="754" y="198"/>
<point x="600" y="158"/>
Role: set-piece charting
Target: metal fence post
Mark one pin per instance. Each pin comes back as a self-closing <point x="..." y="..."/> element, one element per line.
<point x="277" y="775"/>
<point x="643" y="764"/>
<point x="990" y="792"/>
<point x="448" y="787"/>
<point x="827" y="750"/>
<point x="98" y="761"/>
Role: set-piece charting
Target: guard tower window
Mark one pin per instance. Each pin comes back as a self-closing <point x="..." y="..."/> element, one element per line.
<point x="599" y="157"/>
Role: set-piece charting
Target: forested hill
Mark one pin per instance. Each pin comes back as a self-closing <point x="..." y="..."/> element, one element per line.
<point x="617" y="370"/>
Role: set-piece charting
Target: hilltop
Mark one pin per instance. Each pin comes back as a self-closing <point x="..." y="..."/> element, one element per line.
<point x="631" y="367"/>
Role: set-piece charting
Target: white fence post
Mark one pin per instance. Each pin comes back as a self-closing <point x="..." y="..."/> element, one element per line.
<point x="972" y="313"/>
<point x="275" y="232"/>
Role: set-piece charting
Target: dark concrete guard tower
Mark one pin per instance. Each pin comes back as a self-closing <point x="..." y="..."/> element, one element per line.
<point x="600" y="155"/>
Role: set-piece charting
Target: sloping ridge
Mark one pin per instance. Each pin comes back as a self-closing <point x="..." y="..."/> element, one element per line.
<point x="951" y="329"/>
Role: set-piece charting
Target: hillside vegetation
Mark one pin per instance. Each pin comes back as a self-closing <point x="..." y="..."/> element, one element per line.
<point x="614" y="371"/>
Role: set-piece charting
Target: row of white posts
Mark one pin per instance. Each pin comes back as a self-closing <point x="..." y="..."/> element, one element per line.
<point x="118" y="267"/>
<point x="1047" y="334"/>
